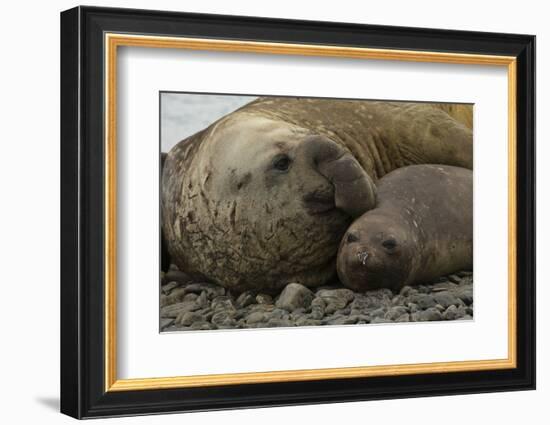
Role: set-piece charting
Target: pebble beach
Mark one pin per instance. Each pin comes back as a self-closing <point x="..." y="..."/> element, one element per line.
<point x="188" y="305"/>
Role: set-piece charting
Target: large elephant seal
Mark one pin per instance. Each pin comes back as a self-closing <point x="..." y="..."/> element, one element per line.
<point x="263" y="196"/>
<point x="421" y="229"/>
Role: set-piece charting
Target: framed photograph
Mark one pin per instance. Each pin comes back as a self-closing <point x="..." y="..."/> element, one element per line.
<point x="261" y="212"/>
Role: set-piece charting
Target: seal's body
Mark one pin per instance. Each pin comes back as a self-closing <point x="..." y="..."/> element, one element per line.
<point x="263" y="196"/>
<point x="421" y="229"/>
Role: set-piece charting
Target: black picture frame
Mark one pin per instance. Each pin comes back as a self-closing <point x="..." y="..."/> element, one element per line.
<point x="83" y="392"/>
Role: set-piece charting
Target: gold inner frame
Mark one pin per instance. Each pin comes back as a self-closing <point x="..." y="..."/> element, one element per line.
<point x="113" y="41"/>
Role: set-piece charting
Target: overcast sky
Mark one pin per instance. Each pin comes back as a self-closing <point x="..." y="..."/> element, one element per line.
<point x="182" y="115"/>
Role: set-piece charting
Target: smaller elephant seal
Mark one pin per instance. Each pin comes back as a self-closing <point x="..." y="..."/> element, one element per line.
<point x="420" y="229"/>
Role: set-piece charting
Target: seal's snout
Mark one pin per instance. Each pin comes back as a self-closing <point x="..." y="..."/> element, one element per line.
<point x="319" y="202"/>
<point x="355" y="263"/>
<point x="358" y="253"/>
<point x="362" y="257"/>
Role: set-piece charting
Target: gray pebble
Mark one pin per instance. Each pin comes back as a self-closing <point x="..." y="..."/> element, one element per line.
<point x="190" y="297"/>
<point x="398" y="300"/>
<point x="223" y="318"/>
<point x="412" y="307"/>
<point x="222" y="303"/>
<point x="294" y="296"/>
<point x="188" y="318"/>
<point x="441" y="287"/>
<point x="207" y="314"/>
<point x="317" y="309"/>
<point x="211" y="289"/>
<point x="467" y="281"/>
<point x="173" y="310"/>
<point x="296" y="314"/>
<point x="407" y="291"/>
<point x="264" y="299"/>
<point x="228" y="324"/>
<point x="451" y="313"/>
<point x="466" y="294"/>
<point x="461" y="310"/>
<point x="245" y="299"/>
<point x="279" y="313"/>
<point x="423" y="289"/>
<point x="344" y="311"/>
<point x="164" y="323"/>
<point x="395" y="312"/>
<point x="445" y="298"/>
<point x="256" y="317"/>
<point x="454" y="278"/>
<point x="362" y="302"/>
<point x="176" y="295"/>
<point x="335" y="299"/>
<point x="423" y="301"/>
<point x="379" y="312"/>
<point x="166" y="289"/>
<point x="261" y="307"/>
<point x="380" y="293"/>
<point x="431" y="314"/>
<point x="202" y="299"/>
<point x="403" y="318"/>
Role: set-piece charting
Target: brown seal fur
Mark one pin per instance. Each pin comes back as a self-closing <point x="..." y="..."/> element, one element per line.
<point x="421" y="229"/>
<point x="228" y="219"/>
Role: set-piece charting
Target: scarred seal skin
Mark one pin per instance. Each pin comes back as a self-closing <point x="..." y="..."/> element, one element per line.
<point x="421" y="229"/>
<point x="263" y="196"/>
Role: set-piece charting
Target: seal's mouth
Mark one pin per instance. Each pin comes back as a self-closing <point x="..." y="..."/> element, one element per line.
<point x="318" y="203"/>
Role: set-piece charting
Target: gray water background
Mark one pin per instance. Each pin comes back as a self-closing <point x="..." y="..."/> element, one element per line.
<point x="184" y="114"/>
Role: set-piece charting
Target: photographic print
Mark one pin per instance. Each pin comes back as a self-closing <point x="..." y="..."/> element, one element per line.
<point x="314" y="228"/>
<point x="300" y="211"/>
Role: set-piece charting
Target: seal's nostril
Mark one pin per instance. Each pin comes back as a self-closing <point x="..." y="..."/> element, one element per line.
<point x="352" y="237"/>
<point x="362" y="256"/>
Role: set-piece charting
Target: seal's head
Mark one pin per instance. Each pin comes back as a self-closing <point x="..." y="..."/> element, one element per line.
<point x="376" y="252"/>
<point x="284" y="165"/>
<point x="269" y="200"/>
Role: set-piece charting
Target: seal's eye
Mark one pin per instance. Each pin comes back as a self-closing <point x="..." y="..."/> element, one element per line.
<point x="389" y="244"/>
<point x="352" y="237"/>
<point x="282" y="163"/>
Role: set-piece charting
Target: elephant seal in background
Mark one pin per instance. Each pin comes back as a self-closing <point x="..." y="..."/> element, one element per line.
<point x="421" y="229"/>
<point x="263" y="196"/>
